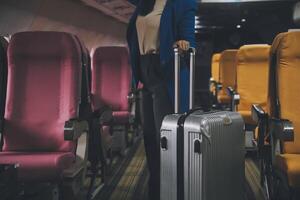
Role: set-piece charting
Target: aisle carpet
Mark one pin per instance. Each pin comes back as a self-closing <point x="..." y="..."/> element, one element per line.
<point x="130" y="182"/>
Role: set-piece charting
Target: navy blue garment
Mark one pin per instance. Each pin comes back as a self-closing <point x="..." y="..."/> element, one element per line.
<point x="177" y="23"/>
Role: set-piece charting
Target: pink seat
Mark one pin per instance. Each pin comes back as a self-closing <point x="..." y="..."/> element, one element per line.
<point x="111" y="81"/>
<point x="43" y="92"/>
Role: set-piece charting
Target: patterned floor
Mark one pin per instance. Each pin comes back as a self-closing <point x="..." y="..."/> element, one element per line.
<point x="130" y="183"/>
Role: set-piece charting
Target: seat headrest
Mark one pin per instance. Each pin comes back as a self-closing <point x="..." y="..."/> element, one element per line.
<point x="59" y="44"/>
<point x="109" y="53"/>
<point x="228" y="55"/>
<point x="254" y="53"/>
<point x="216" y="57"/>
<point x="284" y="45"/>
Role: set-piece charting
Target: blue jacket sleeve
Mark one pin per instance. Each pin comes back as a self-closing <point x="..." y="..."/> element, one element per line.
<point x="134" y="2"/>
<point x="186" y="24"/>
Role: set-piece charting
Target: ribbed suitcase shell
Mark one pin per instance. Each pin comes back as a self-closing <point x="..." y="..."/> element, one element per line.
<point x="218" y="171"/>
<point x="169" y="158"/>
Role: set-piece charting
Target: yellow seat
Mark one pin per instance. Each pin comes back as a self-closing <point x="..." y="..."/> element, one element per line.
<point x="215" y="66"/>
<point x="252" y="71"/>
<point x="227" y="73"/>
<point x="215" y="71"/>
<point x="285" y="61"/>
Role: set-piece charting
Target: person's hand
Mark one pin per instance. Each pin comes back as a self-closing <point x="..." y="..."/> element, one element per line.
<point x="183" y="45"/>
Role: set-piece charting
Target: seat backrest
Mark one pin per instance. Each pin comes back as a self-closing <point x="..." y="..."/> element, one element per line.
<point x="43" y="91"/>
<point x="111" y="78"/>
<point x="284" y="83"/>
<point x="253" y="75"/>
<point x="215" y="61"/>
<point x="228" y="69"/>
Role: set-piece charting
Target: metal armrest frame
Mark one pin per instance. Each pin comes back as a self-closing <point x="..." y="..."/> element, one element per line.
<point x="74" y="128"/>
<point x="217" y="86"/>
<point x="132" y="100"/>
<point x="104" y="114"/>
<point x="235" y="98"/>
<point x="131" y="97"/>
<point x="261" y="118"/>
<point x="282" y="129"/>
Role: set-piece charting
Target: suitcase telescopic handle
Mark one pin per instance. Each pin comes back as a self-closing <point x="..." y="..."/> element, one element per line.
<point x="192" y="53"/>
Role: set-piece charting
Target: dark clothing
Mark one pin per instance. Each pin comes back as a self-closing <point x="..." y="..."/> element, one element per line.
<point x="177" y="23"/>
<point x="156" y="72"/>
<point x="156" y="105"/>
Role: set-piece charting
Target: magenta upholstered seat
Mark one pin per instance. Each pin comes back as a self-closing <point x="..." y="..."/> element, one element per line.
<point x="111" y="79"/>
<point x="43" y="92"/>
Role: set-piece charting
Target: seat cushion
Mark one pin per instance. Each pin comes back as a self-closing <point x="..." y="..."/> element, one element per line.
<point x="247" y="116"/>
<point x="121" y="117"/>
<point x="290" y="165"/>
<point x="38" y="166"/>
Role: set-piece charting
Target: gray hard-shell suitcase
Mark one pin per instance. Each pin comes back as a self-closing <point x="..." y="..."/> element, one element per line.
<point x="214" y="152"/>
<point x="171" y="151"/>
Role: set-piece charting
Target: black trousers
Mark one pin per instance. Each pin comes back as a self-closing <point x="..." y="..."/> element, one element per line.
<point x="156" y="104"/>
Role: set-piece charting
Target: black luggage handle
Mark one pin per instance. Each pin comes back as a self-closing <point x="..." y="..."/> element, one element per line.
<point x="197" y="146"/>
<point x="164" y="143"/>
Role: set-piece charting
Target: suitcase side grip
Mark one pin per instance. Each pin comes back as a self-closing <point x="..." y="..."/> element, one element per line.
<point x="164" y="143"/>
<point x="197" y="146"/>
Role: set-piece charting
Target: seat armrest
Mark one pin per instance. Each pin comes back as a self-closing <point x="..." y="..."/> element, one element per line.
<point x="104" y="115"/>
<point x="235" y="98"/>
<point x="258" y="113"/>
<point x="212" y="81"/>
<point x="74" y="128"/>
<point x="131" y="97"/>
<point x="230" y="91"/>
<point x="219" y="86"/>
<point x="282" y="130"/>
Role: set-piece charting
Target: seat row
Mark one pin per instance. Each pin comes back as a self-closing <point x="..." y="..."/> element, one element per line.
<point x="261" y="83"/>
<point x="53" y="94"/>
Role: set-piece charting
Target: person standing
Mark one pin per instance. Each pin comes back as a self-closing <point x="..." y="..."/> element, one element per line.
<point x="154" y="28"/>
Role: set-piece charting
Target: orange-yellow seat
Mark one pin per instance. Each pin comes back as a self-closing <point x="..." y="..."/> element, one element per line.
<point x="252" y="70"/>
<point x="285" y="59"/>
<point x="215" y="61"/>
<point x="215" y="66"/>
<point x="227" y="75"/>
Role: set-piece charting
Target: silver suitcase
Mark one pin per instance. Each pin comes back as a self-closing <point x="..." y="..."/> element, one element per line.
<point x="214" y="153"/>
<point x="171" y="153"/>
